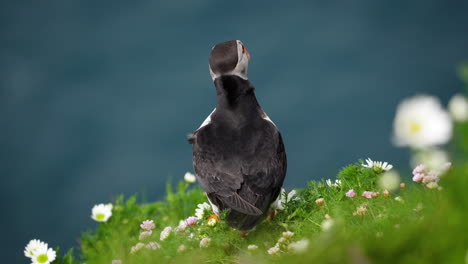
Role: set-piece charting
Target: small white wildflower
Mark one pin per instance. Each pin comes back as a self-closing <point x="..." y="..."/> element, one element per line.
<point x="274" y="250"/>
<point x="153" y="246"/>
<point x="299" y="246"/>
<point x="336" y="184"/>
<point x="421" y="122"/>
<point x="320" y="201"/>
<point x="205" y="242"/>
<point x="252" y="247"/>
<point x="432" y="185"/>
<point x="145" y="234"/>
<point x="44" y="255"/>
<point x="181" y="227"/>
<point x="283" y="198"/>
<point x="165" y="233"/>
<point x="181" y="248"/>
<point x="389" y="181"/>
<point x="399" y="199"/>
<point x="282" y="240"/>
<point x="288" y="234"/>
<point x="377" y="165"/>
<point x="101" y="212"/>
<point x="458" y="108"/>
<point x="33" y="246"/>
<point x="212" y="222"/>
<point x="137" y="248"/>
<point x="189" y="178"/>
<point x="327" y="224"/>
<point x="201" y="210"/>
<point x="361" y="210"/>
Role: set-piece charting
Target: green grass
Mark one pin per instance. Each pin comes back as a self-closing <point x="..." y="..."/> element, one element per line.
<point x="429" y="226"/>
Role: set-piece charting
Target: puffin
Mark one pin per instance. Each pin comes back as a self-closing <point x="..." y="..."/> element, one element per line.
<point x="238" y="155"/>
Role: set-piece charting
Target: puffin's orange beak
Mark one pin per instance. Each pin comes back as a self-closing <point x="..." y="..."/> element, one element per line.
<point x="246" y="52"/>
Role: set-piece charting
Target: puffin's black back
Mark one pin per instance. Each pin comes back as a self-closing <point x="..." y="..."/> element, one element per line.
<point x="239" y="157"/>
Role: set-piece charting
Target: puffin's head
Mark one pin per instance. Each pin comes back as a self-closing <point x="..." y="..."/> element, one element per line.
<point x="229" y="58"/>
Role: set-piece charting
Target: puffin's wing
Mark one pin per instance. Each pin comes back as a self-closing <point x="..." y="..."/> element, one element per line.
<point x="221" y="180"/>
<point x="244" y="185"/>
<point x="265" y="176"/>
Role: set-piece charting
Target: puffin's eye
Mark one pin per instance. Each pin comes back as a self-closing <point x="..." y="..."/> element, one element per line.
<point x="243" y="49"/>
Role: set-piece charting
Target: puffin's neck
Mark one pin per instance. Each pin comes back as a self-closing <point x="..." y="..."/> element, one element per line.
<point x="235" y="94"/>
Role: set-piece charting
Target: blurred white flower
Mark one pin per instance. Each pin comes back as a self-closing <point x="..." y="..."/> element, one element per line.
<point x="44" y="255"/>
<point x="432" y="158"/>
<point x="137" y="248"/>
<point x="189" y="178"/>
<point x="205" y="242"/>
<point x="274" y="250"/>
<point x="252" y="247"/>
<point x="165" y="233"/>
<point x="181" y="227"/>
<point x="284" y="197"/>
<point x="327" y="224"/>
<point x="200" y="211"/>
<point x="299" y="246"/>
<point x="458" y="107"/>
<point x="376" y="165"/>
<point x="153" y="246"/>
<point x="389" y="181"/>
<point x="145" y="234"/>
<point x="288" y="234"/>
<point x="181" y="248"/>
<point x="101" y="212"/>
<point x="34" y="246"/>
<point x="336" y="184"/>
<point x="421" y="122"/>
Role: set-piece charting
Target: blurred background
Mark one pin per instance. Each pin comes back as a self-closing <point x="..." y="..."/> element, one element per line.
<point x="96" y="97"/>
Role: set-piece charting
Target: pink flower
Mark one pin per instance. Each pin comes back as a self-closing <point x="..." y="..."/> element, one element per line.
<point x="192" y="220"/>
<point x="351" y="193"/>
<point x="420" y="169"/>
<point x="418" y="177"/>
<point x="367" y="194"/>
<point x="147" y="225"/>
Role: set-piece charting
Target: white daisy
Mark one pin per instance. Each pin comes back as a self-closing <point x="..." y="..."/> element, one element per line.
<point x="202" y="209"/>
<point x="336" y="184"/>
<point x="283" y="198"/>
<point x="421" y="122"/>
<point x="189" y="178"/>
<point x="376" y="165"/>
<point x="458" y="107"/>
<point x="44" y="255"/>
<point x="101" y="212"/>
<point x="34" y="246"/>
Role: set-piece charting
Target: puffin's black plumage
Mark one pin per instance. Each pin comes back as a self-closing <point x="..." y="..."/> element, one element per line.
<point x="239" y="156"/>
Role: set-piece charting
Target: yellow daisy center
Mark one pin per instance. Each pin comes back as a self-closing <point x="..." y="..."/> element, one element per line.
<point x="415" y="127"/>
<point x="100" y="217"/>
<point x="42" y="258"/>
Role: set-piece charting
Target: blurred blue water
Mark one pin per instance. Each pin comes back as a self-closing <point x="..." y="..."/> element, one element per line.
<point x="96" y="97"/>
